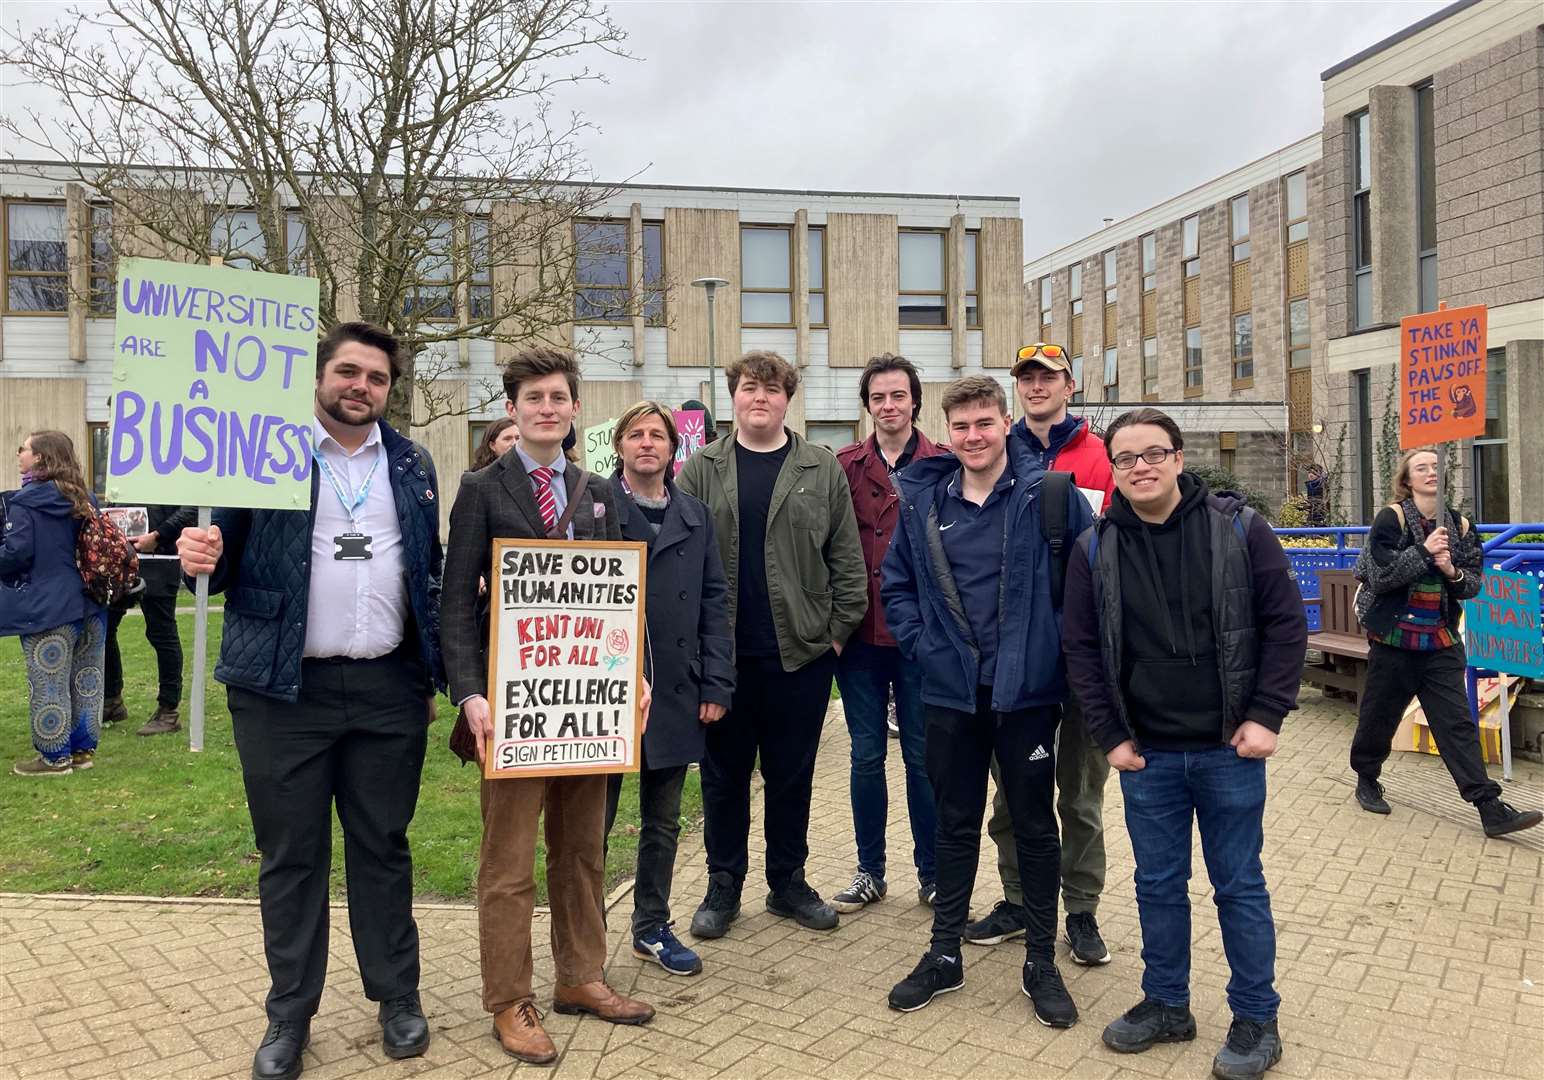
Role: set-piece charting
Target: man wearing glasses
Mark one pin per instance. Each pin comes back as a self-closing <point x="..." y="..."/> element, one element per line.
<point x="1064" y="443"/>
<point x="1184" y="636"/>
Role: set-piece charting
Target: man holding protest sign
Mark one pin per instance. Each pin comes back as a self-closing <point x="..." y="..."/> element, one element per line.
<point x="691" y="663"/>
<point x="532" y="493"/>
<point x="331" y="659"/>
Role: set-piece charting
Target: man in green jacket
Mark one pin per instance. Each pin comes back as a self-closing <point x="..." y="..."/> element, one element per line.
<point x="782" y="512"/>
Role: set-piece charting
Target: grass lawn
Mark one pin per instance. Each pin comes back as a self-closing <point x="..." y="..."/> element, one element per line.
<point x="155" y="819"/>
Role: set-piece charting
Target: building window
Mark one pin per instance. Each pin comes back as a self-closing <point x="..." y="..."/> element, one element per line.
<point x="652" y="303"/>
<point x="1361" y="216"/>
<point x="972" y="295"/>
<point x="1150" y="368"/>
<point x="1491" y="479"/>
<point x="36" y="259"/>
<point x="1297" y="206"/>
<point x="104" y="298"/>
<point x="1426" y="181"/>
<point x="1079" y="395"/>
<point x="295" y="243"/>
<point x="600" y="271"/>
<point x="236" y="239"/>
<point x="829" y="435"/>
<point x="1243" y="347"/>
<point x="1045" y="304"/>
<point x="479" y="297"/>
<point x="430" y="296"/>
<point x="1298" y="338"/>
<point x="96" y="461"/>
<point x="1075" y="301"/>
<point x="1111" y="375"/>
<point x="1190" y="252"/>
<point x="1361" y="431"/>
<point x="1149" y="262"/>
<point x="1109" y="277"/>
<point x="766" y="275"/>
<point x="817" y="261"/>
<point x="1193" y="379"/>
<point x="924" y="278"/>
<point x="1238" y="214"/>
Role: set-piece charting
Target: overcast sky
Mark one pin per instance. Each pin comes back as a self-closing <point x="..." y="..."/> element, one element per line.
<point x="1083" y="110"/>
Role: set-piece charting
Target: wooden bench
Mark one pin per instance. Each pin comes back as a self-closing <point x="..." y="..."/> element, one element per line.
<point x="1341" y="640"/>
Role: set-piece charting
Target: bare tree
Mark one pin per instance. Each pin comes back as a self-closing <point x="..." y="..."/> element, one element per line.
<point x="407" y="153"/>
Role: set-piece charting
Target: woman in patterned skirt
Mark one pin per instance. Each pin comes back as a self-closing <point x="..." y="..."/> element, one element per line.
<point x="63" y="632"/>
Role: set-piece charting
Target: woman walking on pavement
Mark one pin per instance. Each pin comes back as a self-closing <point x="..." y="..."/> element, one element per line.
<point x="42" y="598"/>
<point x="1422" y="567"/>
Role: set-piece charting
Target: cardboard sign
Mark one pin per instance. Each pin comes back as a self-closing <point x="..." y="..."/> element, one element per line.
<point x="692" y="427"/>
<point x="599" y="457"/>
<point x="1441" y="376"/>
<point x="214" y="375"/>
<point x="1502" y="631"/>
<point x="565" y="657"/>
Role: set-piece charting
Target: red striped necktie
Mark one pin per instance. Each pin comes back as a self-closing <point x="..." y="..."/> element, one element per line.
<point x="546" y="501"/>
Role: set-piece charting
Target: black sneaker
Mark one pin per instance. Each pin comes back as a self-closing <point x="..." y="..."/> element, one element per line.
<point x="935" y="974"/>
<point x="1083" y="938"/>
<point x="1500" y="818"/>
<point x="927" y="892"/>
<point x="1003" y="922"/>
<point x="1369" y="795"/>
<point x="719" y="908"/>
<point x="866" y="888"/>
<point x="1043" y="985"/>
<point x="1252" y="1047"/>
<point x="1148" y="1023"/>
<point x="802" y="904"/>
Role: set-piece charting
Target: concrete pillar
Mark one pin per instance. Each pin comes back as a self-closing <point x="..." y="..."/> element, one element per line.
<point x="1395" y="265"/>
<point x="1525" y="438"/>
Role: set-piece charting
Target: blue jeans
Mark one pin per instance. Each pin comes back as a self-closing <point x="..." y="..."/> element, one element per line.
<point x="865" y="673"/>
<point x="1225" y="795"/>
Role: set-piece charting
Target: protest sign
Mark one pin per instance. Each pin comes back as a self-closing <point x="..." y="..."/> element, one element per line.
<point x="565" y="657"/>
<point x="1442" y="376"/>
<point x="599" y="457"/>
<point x="132" y="521"/>
<point x="691" y="426"/>
<point x="214" y="372"/>
<point x="1502" y="631"/>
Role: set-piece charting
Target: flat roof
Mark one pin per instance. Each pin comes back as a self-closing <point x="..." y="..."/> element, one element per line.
<point x="1395" y="38"/>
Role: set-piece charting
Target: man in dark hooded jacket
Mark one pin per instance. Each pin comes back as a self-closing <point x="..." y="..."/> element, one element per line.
<point x="1184" y="636"/>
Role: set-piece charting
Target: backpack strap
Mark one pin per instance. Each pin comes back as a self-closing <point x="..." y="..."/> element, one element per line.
<point x="1055" y="488"/>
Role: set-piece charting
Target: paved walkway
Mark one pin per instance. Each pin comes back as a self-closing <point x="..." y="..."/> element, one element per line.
<point x="1410" y="946"/>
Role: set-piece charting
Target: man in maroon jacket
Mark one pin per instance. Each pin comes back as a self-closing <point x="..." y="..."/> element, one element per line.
<point x="871" y="664"/>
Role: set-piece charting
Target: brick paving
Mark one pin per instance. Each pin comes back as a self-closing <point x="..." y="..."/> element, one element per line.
<point x="1409" y="946"/>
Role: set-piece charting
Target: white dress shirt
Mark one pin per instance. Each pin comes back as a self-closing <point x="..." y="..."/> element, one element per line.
<point x="355" y="608"/>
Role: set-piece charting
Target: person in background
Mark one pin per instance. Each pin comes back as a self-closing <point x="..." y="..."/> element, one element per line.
<point x="163" y="584"/>
<point x="497" y="438"/>
<point x="1426" y="561"/>
<point x="691" y="660"/>
<point x="42" y="599"/>
<point x="871" y="671"/>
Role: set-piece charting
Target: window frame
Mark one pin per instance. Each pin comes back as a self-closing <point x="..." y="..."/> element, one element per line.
<point x="104" y="271"/>
<point x="1195" y="372"/>
<point x="1110" y="266"/>
<point x="810" y="291"/>
<point x="943" y="245"/>
<point x="479" y="284"/>
<point x="1286" y="201"/>
<point x="1360" y="122"/>
<point x="1189" y="255"/>
<point x="1047" y="293"/>
<point x="1149" y="261"/>
<point x="7" y="272"/>
<point x="1306" y="348"/>
<point x="745" y="290"/>
<point x="625" y="289"/>
<point x="972" y="261"/>
<point x="1150" y="370"/>
<point x="1245" y="381"/>
<point x="1237" y="242"/>
<point x="1111" y="364"/>
<point x="92" y="428"/>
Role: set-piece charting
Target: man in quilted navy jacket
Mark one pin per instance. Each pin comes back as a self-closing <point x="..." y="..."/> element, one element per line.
<point x="330" y="655"/>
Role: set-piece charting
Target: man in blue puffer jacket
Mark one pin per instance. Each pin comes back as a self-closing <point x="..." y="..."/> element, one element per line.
<point x="967" y="593"/>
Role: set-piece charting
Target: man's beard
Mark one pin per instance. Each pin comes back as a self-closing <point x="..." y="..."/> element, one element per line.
<point x="334" y="409"/>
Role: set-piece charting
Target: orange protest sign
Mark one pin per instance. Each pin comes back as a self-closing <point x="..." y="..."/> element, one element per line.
<point x="1441" y="376"/>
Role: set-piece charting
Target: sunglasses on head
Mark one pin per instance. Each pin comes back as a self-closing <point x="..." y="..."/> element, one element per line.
<point x="1050" y="352"/>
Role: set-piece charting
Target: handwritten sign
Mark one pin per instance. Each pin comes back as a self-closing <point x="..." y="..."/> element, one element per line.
<point x="214" y="372"/>
<point x="692" y="427"/>
<point x="1502" y="631"/>
<point x="1442" y="376"/>
<point x="566" y="639"/>
<point x="599" y="457"/>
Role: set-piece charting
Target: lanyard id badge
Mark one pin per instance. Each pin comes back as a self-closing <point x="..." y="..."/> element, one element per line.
<point x="353" y="545"/>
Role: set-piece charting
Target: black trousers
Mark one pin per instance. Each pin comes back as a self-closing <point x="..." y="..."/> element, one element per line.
<point x="659" y="804"/>
<point x="777" y="715"/>
<point x="161" y="632"/>
<point x="356" y="735"/>
<point x="1436" y="677"/>
<point x="960" y="747"/>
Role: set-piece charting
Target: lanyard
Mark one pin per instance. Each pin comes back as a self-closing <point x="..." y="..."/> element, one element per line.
<point x="351" y="503"/>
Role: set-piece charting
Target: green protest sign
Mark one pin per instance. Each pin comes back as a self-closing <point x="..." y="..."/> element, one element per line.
<point x="214" y="372"/>
<point x="599" y="457"/>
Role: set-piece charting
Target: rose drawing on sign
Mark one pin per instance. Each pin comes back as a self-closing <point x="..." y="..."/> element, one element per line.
<point x="616" y="648"/>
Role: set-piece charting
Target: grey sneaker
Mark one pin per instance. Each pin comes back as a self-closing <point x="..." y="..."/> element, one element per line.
<point x="865" y="889"/>
<point x="1252" y="1048"/>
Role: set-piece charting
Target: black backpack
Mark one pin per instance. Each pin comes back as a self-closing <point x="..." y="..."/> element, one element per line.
<point x="1055" y="488"/>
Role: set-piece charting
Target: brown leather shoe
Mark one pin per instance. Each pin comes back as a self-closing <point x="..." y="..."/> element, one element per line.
<point x="598" y="999"/>
<point x="518" y="1030"/>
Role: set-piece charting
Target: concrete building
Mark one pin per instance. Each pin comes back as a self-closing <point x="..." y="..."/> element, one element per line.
<point x="827" y="279"/>
<point x="1434" y="191"/>
<point x="1202" y="306"/>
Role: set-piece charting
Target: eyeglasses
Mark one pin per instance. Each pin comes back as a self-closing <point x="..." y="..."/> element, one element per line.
<point x="1050" y="352"/>
<point x="1154" y="456"/>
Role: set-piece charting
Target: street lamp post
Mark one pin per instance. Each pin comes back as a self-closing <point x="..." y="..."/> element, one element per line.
<point x="712" y="285"/>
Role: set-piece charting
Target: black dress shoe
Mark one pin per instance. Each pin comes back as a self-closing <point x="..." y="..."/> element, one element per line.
<point x="278" y="1055"/>
<point x="404" y="1031"/>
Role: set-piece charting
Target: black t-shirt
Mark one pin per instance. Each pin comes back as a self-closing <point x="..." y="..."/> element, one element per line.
<point x="756" y="475"/>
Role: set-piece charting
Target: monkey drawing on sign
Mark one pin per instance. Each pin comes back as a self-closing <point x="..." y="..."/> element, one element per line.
<point x="1462" y="399"/>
